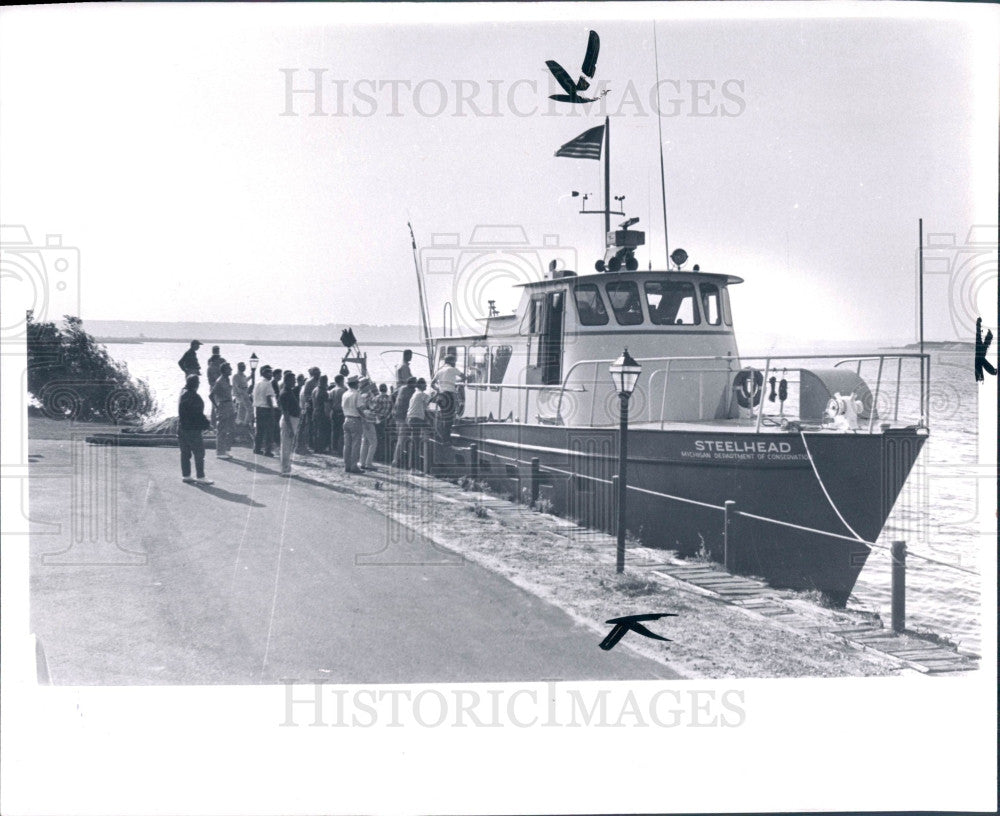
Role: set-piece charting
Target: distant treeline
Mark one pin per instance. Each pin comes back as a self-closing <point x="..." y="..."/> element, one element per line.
<point x="118" y="331"/>
<point x="209" y="340"/>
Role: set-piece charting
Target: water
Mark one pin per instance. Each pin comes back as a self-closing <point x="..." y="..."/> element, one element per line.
<point x="935" y="513"/>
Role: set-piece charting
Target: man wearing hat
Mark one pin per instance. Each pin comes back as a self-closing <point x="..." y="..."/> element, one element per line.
<point x="189" y="362"/>
<point x="352" y="426"/>
<point x="263" y="406"/>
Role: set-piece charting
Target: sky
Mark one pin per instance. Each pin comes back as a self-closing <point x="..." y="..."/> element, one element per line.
<point x="800" y="149"/>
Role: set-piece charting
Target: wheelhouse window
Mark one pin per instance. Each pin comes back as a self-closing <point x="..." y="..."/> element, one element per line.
<point x="498" y="365"/>
<point x="590" y="305"/>
<point x="624" y="297"/>
<point x="671" y="303"/>
<point x="536" y="317"/>
<point x="710" y="305"/>
<point x="727" y="310"/>
<point x="479" y="364"/>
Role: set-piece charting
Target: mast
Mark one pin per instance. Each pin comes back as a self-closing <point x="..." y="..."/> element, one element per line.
<point x="659" y="129"/>
<point x="424" y="319"/>
<point x="920" y="223"/>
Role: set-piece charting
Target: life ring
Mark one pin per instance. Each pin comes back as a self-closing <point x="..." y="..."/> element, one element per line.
<point x="748" y="385"/>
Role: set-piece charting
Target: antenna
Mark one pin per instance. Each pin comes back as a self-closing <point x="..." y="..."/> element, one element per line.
<point x="659" y="128"/>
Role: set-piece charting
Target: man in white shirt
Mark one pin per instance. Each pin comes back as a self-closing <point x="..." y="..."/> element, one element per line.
<point x="446" y="383"/>
<point x="352" y="426"/>
<point x="263" y="406"/>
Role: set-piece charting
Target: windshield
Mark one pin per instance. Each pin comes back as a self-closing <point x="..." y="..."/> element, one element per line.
<point x="671" y="303"/>
<point x="590" y="305"/>
<point x="624" y="297"/>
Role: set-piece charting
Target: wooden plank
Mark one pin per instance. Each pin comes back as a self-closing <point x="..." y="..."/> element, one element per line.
<point x="918" y="656"/>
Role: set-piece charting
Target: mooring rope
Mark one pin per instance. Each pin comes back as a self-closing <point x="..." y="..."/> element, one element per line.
<point x="823" y="488"/>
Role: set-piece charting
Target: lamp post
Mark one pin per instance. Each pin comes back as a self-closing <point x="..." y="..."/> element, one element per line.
<point x="624" y="373"/>
<point x="254" y="362"/>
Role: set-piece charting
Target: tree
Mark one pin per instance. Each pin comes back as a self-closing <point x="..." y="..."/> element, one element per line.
<point x="72" y="376"/>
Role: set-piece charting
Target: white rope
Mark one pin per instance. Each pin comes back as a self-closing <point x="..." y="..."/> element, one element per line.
<point x="823" y="488"/>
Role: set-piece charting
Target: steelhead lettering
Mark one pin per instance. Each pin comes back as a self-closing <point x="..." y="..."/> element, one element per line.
<point x="743" y="446"/>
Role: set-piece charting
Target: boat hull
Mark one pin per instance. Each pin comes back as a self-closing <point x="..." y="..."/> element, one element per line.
<point x="680" y="480"/>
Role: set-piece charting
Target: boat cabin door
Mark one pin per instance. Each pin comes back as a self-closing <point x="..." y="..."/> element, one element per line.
<point x="547" y="328"/>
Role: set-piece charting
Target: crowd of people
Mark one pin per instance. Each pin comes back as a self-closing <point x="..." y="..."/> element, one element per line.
<point x="350" y="416"/>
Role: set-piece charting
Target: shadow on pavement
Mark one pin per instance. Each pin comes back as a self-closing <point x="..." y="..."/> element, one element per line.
<point x="273" y="472"/>
<point x="220" y="493"/>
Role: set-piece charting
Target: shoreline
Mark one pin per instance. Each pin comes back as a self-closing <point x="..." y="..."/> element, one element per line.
<point x="572" y="568"/>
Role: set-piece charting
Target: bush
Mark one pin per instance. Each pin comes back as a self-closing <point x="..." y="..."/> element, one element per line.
<point x="71" y="376"/>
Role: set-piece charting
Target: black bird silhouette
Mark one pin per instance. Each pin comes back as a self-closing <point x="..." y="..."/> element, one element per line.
<point x="583" y="83"/>
<point x="622" y="625"/>
<point x="983" y="346"/>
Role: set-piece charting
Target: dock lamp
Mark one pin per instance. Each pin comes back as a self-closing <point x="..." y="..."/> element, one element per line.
<point x="254" y="362"/>
<point x="625" y="374"/>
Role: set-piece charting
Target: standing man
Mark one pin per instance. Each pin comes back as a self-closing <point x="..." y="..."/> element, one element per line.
<point x="352" y="426"/>
<point x="416" y="421"/>
<point x="337" y="415"/>
<point x="276" y="378"/>
<point x="214" y="370"/>
<point x="307" y="433"/>
<point x="225" y="411"/>
<point x="367" y="393"/>
<point x="242" y="395"/>
<point x="403" y="372"/>
<point x="400" y="407"/>
<point x="290" y="414"/>
<point x="263" y="401"/>
<point x="191" y="421"/>
<point x="446" y="383"/>
<point x="189" y="361"/>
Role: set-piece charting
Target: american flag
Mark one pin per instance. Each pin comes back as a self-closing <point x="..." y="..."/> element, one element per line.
<point x="585" y="146"/>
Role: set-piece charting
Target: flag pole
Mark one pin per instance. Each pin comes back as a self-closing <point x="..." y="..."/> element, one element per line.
<point x="607" y="179"/>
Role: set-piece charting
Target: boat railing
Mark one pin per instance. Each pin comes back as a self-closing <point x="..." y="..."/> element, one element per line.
<point x="579" y="377"/>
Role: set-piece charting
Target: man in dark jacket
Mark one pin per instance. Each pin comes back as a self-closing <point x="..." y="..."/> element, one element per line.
<point x="191" y="421"/>
<point x="306" y="434"/>
<point x="189" y="362"/>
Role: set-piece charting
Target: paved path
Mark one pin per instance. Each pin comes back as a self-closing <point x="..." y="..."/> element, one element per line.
<point x="256" y="579"/>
